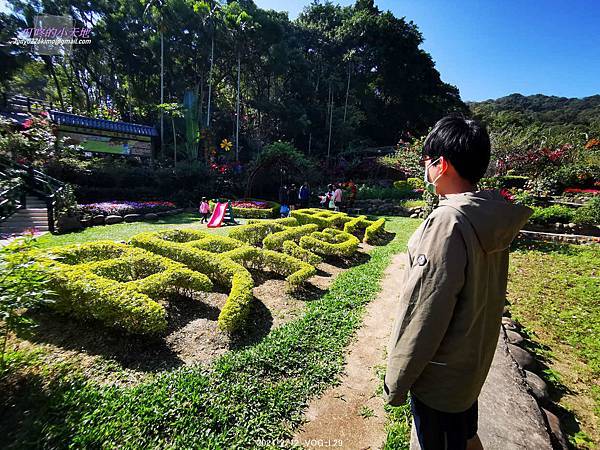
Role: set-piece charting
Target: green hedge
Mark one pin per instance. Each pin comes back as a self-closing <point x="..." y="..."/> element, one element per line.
<point x="293" y="249"/>
<point x="254" y="233"/>
<point x="321" y="217"/>
<point x="356" y="225"/>
<point x="295" y="270"/>
<point x="275" y="241"/>
<point x="552" y="214"/>
<point x="374" y="231"/>
<point x="115" y="272"/>
<point x="83" y="294"/>
<point x="221" y="270"/>
<point x="254" y="213"/>
<point x="330" y="242"/>
<point x="588" y="214"/>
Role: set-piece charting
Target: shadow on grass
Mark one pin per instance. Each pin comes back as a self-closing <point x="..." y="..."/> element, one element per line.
<point x="527" y="244"/>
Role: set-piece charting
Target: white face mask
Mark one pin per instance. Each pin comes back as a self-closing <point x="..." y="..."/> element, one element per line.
<point x="430" y="185"/>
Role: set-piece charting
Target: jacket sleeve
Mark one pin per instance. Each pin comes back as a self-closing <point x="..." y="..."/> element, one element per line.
<point x="431" y="286"/>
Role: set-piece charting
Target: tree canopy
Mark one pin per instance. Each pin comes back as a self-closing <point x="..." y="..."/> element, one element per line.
<point x="334" y="78"/>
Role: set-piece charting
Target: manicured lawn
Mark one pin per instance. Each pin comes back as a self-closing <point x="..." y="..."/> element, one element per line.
<point x="123" y="231"/>
<point x="248" y="394"/>
<point x="554" y="292"/>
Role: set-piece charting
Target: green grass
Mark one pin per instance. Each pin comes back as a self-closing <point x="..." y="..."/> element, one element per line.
<point x="123" y="231"/>
<point x="413" y="203"/>
<point x="554" y="291"/>
<point x="246" y="395"/>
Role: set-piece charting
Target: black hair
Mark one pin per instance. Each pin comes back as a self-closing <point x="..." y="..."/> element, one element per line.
<point x="462" y="141"/>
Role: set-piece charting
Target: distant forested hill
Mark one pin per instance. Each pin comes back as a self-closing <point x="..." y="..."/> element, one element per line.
<point x="522" y="110"/>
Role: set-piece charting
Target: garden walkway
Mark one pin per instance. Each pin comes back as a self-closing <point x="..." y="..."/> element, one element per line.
<point x="351" y="415"/>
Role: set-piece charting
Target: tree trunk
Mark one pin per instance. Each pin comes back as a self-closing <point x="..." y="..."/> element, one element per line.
<point x="330" y="126"/>
<point x="347" y="92"/>
<point x="50" y="65"/>
<point x="174" y="143"/>
<point x="210" y="71"/>
<point x="237" y="121"/>
<point x="162" y="92"/>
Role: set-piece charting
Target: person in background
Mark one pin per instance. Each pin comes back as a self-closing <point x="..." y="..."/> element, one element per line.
<point x="353" y="191"/>
<point x="304" y="195"/>
<point x="337" y="197"/>
<point x="293" y="195"/>
<point x="284" y="195"/>
<point x="204" y="210"/>
<point x="329" y="196"/>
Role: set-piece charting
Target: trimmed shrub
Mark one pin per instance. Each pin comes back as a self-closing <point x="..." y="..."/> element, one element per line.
<point x="588" y="214"/>
<point x="275" y="241"/>
<point x="415" y="183"/>
<point x="552" y="214"/>
<point x="285" y="221"/>
<point x="321" y="218"/>
<point x="254" y="234"/>
<point x="254" y="213"/>
<point x="293" y="249"/>
<point x="330" y="242"/>
<point x="374" y="231"/>
<point x="295" y="270"/>
<point x="89" y="296"/>
<point x="220" y="269"/>
<point x="356" y="225"/>
<point x="112" y="268"/>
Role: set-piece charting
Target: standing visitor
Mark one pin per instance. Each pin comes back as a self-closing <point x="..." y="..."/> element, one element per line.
<point x="204" y="210"/>
<point x="337" y="197"/>
<point x="353" y="192"/>
<point x="453" y="290"/>
<point x="304" y="195"/>
<point x="329" y="196"/>
<point x="284" y="201"/>
<point x="293" y="197"/>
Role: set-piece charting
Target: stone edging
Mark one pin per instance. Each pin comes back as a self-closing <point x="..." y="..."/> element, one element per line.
<point x="537" y="387"/>
<point x="556" y="237"/>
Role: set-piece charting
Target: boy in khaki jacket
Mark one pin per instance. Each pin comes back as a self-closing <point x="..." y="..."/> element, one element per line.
<point x="453" y="290"/>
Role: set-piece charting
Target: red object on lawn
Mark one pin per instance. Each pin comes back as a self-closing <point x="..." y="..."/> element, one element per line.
<point x="217" y="216"/>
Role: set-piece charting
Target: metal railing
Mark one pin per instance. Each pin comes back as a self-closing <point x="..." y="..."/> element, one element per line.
<point x="35" y="182"/>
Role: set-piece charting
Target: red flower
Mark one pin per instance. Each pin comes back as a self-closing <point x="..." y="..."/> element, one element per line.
<point x="27" y="123"/>
<point x="507" y="195"/>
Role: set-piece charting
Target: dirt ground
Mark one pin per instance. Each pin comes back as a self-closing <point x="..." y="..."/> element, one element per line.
<point x="351" y="415"/>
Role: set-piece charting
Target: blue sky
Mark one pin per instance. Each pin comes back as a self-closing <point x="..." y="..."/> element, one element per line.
<point x="492" y="48"/>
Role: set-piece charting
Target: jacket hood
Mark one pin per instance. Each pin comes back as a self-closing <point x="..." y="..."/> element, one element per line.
<point x="495" y="220"/>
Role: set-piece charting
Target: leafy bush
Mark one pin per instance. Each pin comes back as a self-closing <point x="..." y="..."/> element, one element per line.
<point x="24" y="286"/>
<point x="330" y="242"/>
<point x="588" y="214"/>
<point x="122" y="280"/>
<point x="374" y="231"/>
<point x="293" y="249"/>
<point x="552" y="214"/>
<point x="295" y="270"/>
<point x="357" y="224"/>
<point x="254" y="233"/>
<point x="276" y="240"/>
<point x="254" y="213"/>
<point x="221" y="270"/>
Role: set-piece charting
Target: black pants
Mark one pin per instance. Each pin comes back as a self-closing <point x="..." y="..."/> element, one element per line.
<point x="438" y="430"/>
<point x="204" y="218"/>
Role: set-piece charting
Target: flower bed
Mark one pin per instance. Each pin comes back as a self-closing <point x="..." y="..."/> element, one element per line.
<point x="253" y="209"/>
<point x="125" y="207"/>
